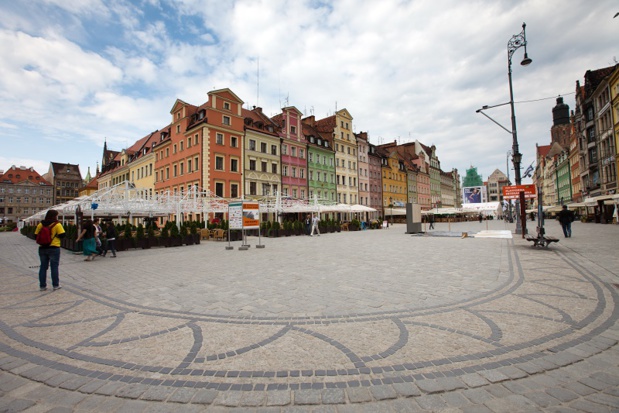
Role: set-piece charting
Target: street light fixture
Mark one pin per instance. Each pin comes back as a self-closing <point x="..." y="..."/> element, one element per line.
<point x="516" y="42"/>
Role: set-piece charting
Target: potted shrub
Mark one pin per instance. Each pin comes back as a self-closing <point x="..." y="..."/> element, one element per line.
<point x="175" y="236"/>
<point x="287" y="228"/>
<point x="164" y="238"/>
<point x="187" y="240"/>
<point x="141" y="240"/>
<point x="193" y="232"/>
<point x="298" y="228"/>
<point x="354" y="225"/>
<point x="274" y="230"/>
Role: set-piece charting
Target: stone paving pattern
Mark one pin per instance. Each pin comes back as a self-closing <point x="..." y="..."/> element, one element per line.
<point x="365" y="321"/>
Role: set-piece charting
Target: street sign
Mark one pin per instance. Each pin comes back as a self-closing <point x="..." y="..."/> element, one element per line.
<point x="513" y="192"/>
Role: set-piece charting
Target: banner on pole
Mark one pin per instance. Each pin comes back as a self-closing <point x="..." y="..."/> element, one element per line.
<point x="513" y="192"/>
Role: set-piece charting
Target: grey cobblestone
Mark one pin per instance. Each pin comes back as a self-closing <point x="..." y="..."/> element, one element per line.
<point x="354" y="343"/>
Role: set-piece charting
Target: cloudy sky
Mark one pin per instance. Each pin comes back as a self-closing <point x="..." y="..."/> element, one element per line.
<point x="77" y="72"/>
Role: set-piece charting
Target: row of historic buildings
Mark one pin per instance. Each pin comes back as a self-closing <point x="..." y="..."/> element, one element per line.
<point x="580" y="164"/>
<point x="234" y="152"/>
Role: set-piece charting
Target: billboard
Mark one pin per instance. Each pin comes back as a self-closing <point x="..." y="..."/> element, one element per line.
<point x="474" y="195"/>
<point x="513" y="192"/>
<point x="244" y="215"/>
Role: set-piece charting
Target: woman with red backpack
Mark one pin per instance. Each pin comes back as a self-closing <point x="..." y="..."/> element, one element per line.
<point x="48" y="234"/>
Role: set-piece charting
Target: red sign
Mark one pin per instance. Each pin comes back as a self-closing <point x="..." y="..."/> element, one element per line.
<point x="513" y="192"/>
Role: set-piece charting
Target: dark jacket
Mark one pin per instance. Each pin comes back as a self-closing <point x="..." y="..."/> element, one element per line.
<point x="566" y="216"/>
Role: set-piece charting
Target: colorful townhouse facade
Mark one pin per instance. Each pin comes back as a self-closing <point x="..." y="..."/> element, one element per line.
<point x="23" y="192"/>
<point x="320" y="162"/>
<point x="293" y="153"/>
<point x="262" y="177"/>
<point x="363" y="168"/>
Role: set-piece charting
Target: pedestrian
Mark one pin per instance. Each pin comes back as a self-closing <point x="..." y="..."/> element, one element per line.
<point x="98" y="234"/>
<point x="315" y="221"/>
<point x="481" y="218"/>
<point x="49" y="255"/>
<point x="110" y="235"/>
<point x="308" y="224"/>
<point x="89" y="247"/>
<point x="566" y="217"/>
<point x="431" y="219"/>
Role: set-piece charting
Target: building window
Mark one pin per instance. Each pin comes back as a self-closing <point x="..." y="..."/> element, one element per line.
<point x="284" y="149"/>
<point x="266" y="189"/>
<point x="252" y="145"/>
<point x="263" y="147"/>
<point x="226" y="120"/>
<point x="182" y="168"/>
<point x="294" y="172"/>
<point x="234" y="190"/>
<point x="189" y="165"/>
<point x="293" y="151"/>
<point x="181" y="145"/>
<point x="274" y="168"/>
<point x="175" y="170"/>
<point x="264" y="166"/>
<point x="178" y="128"/>
<point x="234" y="165"/>
<point x="273" y="149"/>
<point x="301" y="153"/>
<point x="196" y="165"/>
<point x="252" y="188"/>
<point x="234" y="141"/>
<point x="219" y="139"/>
<point x="252" y="164"/>
<point x="219" y="189"/>
<point x="226" y="105"/>
<point x="219" y="163"/>
<point x="293" y="130"/>
<point x="285" y="170"/>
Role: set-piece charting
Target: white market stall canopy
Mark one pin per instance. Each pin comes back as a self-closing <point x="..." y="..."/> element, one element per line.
<point x="125" y="200"/>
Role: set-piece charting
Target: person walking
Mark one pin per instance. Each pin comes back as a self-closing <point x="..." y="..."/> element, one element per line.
<point x="566" y="217"/>
<point x="89" y="247"/>
<point x="49" y="255"/>
<point x="431" y="219"/>
<point x="481" y="218"/>
<point x="315" y="221"/>
<point x="308" y="224"/>
<point x="98" y="234"/>
<point x="110" y="235"/>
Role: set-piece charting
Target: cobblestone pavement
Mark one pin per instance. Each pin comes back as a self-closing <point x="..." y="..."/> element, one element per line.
<point x="366" y="321"/>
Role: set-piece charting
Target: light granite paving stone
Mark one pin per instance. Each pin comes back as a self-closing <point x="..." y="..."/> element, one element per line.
<point x="405" y="406"/>
<point x="75" y="383"/>
<point x="593" y="383"/>
<point x="406" y="389"/>
<point x="39" y="373"/>
<point x="278" y="398"/>
<point x="58" y="379"/>
<point x="510" y="404"/>
<point x="579" y="388"/>
<point x="359" y="395"/>
<point x="604" y="377"/>
<point x="604" y="399"/>
<point x="512" y="372"/>
<point x="109" y="389"/>
<point x="333" y="396"/>
<point x="133" y="406"/>
<point x="60" y="410"/>
<point x="92" y="386"/>
<point x="476" y="409"/>
<point x="455" y="399"/>
<point x="383" y="392"/>
<point x="99" y="404"/>
<point x="228" y="398"/>
<point x="432" y="402"/>
<point x="204" y="396"/>
<point x="493" y="376"/>
<point x="515" y="387"/>
<point x="429" y="386"/>
<point x="131" y="391"/>
<point x="589" y="406"/>
<point x="324" y="409"/>
<point x="268" y="410"/>
<point x="477" y="396"/>
<point x="498" y="390"/>
<point x="302" y="397"/>
<point x="19" y="405"/>
<point x="542" y="399"/>
<point x="254" y="399"/>
<point x="562" y="394"/>
<point x="9" y="382"/>
<point x="182" y="395"/>
<point x="157" y="393"/>
<point x="474" y="380"/>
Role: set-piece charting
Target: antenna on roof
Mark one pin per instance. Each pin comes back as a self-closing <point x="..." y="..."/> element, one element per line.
<point x="312" y="110"/>
<point x="258" y="81"/>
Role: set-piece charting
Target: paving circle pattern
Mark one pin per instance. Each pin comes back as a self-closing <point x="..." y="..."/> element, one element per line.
<point x="265" y="320"/>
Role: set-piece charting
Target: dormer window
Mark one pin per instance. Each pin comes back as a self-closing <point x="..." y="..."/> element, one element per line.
<point x="226" y="105"/>
<point x="311" y="139"/>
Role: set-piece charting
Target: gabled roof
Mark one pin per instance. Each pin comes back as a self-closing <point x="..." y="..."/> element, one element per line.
<point x="327" y="124"/>
<point x="542" y="151"/>
<point x="594" y="77"/>
<point x="256" y="120"/>
<point x="21" y="174"/>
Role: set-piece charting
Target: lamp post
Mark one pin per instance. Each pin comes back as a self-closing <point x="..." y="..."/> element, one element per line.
<point x="509" y="203"/>
<point x="516" y="42"/>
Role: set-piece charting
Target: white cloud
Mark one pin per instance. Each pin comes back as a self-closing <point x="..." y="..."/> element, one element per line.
<point x="407" y="70"/>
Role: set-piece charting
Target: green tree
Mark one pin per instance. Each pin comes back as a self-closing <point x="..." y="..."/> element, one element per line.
<point x="472" y="178"/>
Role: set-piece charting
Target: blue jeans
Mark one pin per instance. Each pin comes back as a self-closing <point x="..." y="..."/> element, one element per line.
<point x="567" y="229"/>
<point x="49" y="257"/>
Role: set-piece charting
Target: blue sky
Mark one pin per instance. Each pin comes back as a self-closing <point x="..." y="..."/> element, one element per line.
<point x="78" y="72"/>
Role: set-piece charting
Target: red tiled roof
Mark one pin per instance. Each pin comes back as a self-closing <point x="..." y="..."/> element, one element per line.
<point x="25" y="174"/>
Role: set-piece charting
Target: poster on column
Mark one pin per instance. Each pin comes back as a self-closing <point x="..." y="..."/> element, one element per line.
<point x="251" y="215"/>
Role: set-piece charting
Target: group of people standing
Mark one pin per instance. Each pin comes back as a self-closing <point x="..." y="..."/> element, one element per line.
<point x="93" y="245"/>
<point x="311" y="225"/>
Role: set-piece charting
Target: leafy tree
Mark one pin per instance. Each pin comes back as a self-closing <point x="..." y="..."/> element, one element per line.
<point x="472" y="178"/>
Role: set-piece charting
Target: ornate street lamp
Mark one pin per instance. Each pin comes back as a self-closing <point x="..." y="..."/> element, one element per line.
<point x="516" y="42"/>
